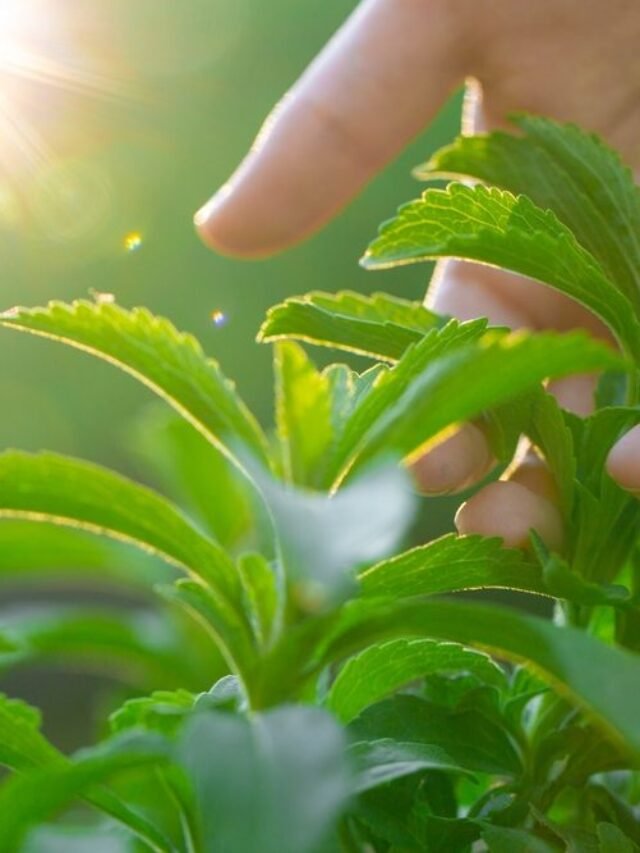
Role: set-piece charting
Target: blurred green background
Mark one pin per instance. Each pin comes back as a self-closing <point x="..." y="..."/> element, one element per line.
<point x="120" y="118"/>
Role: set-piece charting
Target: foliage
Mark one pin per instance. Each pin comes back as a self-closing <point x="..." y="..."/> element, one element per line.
<point x="301" y="682"/>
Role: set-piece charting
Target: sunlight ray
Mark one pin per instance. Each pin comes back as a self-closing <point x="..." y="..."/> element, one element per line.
<point x="36" y="68"/>
<point x="21" y="147"/>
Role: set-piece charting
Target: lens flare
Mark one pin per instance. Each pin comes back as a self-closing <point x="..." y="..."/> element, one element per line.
<point x="133" y="241"/>
<point x="50" y="130"/>
<point x="219" y="318"/>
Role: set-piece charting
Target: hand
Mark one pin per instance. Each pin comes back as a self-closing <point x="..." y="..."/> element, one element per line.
<point x="378" y="82"/>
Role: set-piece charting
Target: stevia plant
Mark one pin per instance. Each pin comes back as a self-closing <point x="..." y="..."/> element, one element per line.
<point x="303" y="684"/>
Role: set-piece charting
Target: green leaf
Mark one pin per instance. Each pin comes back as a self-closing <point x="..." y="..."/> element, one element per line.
<point x="303" y="414"/>
<point x="381" y="670"/>
<point x="50" y="488"/>
<point x="140" y="648"/>
<point x="261" y="595"/>
<point x="171" y="363"/>
<point x="609" y="807"/>
<point x="606" y="517"/>
<point x="275" y="782"/>
<point x="563" y="582"/>
<point x="467" y="738"/>
<point x="164" y="712"/>
<point x="564" y="169"/>
<point x="549" y="432"/>
<point x="449" y="564"/>
<point x="494" y="227"/>
<point x="29" y="553"/>
<point x="382" y="761"/>
<point x="501" y="839"/>
<point x="379" y="326"/>
<point x="388" y="386"/>
<point x="230" y="634"/>
<point x="613" y="840"/>
<point x="196" y="474"/>
<point x="23" y="748"/>
<point x="28" y="800"/>
<point x="409" y="408"/>
<point x="21" y="744"/>
<point x="324" y="539"/>
<point x="598" y="678"/>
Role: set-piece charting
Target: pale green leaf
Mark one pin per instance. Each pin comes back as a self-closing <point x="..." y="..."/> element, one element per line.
<point x="324" y="539"/>
<point x="381" y="670"/>
<point x="171" y="363"/>
<point x="79" y="839"/>
<point x="380" y="326"/>
<point x="494" y="227"/>
<point x="275" y="782"/>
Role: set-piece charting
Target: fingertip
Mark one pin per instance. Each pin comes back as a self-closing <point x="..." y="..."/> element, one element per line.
<point x="510" y="511"/>
<point x="223" y="225"/>
<point x="532" y="472"/>
<point x="575" y="393"/>
<point x="457" y="463"/>
<point x="623" y="462"/>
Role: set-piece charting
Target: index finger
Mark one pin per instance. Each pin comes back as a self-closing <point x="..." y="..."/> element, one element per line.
<point x="376" y="84"/>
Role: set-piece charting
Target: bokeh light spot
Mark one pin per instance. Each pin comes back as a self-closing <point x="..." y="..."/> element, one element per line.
<point x="219" y="318"/>
<point x="133" y="241"/>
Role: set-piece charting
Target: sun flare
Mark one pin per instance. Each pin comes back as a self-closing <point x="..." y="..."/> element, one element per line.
<point x="53" y="68"/>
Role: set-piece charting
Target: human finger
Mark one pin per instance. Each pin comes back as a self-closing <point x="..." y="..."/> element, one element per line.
<point x="623" y="462"/>
<point x="458" y="462"/>
<point x="524" y="499"/>
<point x="376" y="84"/>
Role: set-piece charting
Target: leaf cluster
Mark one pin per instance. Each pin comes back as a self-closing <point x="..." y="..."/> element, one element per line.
<point x="295" y="677"/>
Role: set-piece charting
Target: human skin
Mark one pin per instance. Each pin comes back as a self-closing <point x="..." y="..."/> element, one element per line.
<point x="379" y="82"/>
